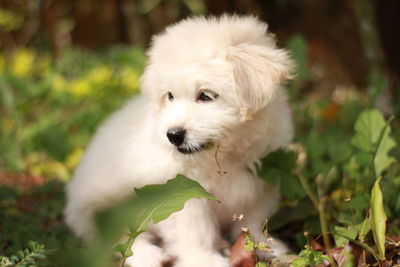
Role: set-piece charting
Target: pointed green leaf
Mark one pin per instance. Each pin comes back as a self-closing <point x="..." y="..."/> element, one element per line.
<point x="368" y="127"/>
<point x="378" y="219"/>
<point x="156" y="202"/>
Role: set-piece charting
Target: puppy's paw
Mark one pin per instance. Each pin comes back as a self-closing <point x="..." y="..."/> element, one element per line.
<point x="149" y="256"/>
<point x="279" y="248"/>
<point x="201" y="260"/>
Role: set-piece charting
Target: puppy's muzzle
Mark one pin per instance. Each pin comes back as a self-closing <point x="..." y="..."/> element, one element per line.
<point x="176" y="136"/>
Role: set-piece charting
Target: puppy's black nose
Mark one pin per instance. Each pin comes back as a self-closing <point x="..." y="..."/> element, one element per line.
<point x="176" y="136"/>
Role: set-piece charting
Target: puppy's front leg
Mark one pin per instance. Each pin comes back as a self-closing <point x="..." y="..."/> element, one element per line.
<point x="145" y="253"/>
<point x="193" y="236"/>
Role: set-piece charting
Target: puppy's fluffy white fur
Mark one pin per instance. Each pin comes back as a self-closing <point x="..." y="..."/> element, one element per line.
<point x="233" y="61"/>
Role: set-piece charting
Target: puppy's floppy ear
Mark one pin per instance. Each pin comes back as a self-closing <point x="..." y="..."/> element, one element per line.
<point x="258" y="71"/>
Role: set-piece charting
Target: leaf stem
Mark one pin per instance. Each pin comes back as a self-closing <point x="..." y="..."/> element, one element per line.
<point x="131" y="239"/>
<point x="324" y="225"/>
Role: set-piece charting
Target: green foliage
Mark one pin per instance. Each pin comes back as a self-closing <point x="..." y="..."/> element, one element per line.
<point x="28" y="257"/>
<point x="150" y="204"/>
<point x="378" y="219"/>
<point x="277" y="170"/>
<point x="298" y="48"/>
<point x="249" y="243"/>
<point x="34" y="214"/>
<point x="310" y="257"/>
<point x="337" y="170"/>
<point x="368" y="128"/>
<point x="43" y="102"/>
<point x="9" y="21"/>
<point x="373" y="137"/>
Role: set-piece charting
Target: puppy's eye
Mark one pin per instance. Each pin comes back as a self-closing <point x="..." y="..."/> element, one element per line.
<point x="206" y="97"/>
<point x="170" y="96"/>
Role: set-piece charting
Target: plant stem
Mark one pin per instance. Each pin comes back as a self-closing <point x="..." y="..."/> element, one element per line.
<point x="308" y="190"/>
<point x="131" y="239"/>
<point x="320" y="206"/>
<point x="324" y="225"/>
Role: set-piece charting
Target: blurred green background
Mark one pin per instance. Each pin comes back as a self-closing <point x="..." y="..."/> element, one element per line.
<point x="65" y="65"/>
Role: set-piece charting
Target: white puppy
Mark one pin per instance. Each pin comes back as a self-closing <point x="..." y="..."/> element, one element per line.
<point x="209" y="81"/>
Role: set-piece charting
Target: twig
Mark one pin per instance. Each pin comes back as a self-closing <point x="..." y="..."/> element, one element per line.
<point x="220" y="170"/>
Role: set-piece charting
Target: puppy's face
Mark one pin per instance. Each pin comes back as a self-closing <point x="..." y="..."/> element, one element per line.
<point x="195" y="107"/>
<point x="208" y="77"/>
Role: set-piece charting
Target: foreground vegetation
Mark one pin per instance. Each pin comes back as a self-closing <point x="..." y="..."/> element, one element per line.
<point x="340" y="179"/>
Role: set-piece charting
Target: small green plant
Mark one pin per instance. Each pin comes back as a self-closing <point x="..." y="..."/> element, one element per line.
<point x="27" y="257"/>
<point x="351" y="179"/>
<point x="251" y="245"/>
<point x="310" y="257"/>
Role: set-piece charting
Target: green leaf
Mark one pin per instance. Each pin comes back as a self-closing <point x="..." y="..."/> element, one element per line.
<point x="156" y="202"/>
<point x="292" y="188"/>
<point x="277" y="169"/>
<point x="364" y="159"/>
<point x="249" y="243"/>
<point x="152" y="203"/>
<point x="271" y="175"/>
<point x="299" y="262"/>
<point x="310" y="257"/>
<point x="359" y="202"/>
<point x="261" y="264"/>
<point x="276" y="166"/>
<point x="382" y="160"/>
<point x="20" y="254"/>
<point x="373" y="136"/>
<point x="378" y="219"/>
<point x="368" y="127"/>
<point x="350" y="232"/>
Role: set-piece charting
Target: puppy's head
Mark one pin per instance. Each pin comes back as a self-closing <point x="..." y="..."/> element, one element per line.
<point x="210" y="76"/>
